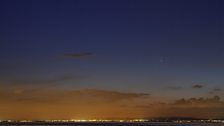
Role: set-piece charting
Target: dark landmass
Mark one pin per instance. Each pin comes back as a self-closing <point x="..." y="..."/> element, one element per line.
<point x="101" y="122"/>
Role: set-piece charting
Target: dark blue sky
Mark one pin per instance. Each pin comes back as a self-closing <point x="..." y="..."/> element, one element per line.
<point x="138" y="45"/>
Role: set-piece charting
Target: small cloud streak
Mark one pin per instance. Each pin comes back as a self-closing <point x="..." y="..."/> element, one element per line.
<point x="49" y="81"/>
<point x="175" y="88"/>
<point x="108" y="95"/>
<point x="216" y="90"/>
<point x="197" y="86"/>
<point x="78" y="55"/>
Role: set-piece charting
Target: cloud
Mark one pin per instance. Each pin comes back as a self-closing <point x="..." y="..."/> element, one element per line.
<point x="100" y="103"/>
<point x="197" y="86"/>
<point x="175" y="88"/>
<point x="78" y="55"/>
<point x="216" y="90"/>
<point x="108" y="95"/>
<point x="35" y="95"/>
<point x="200" y="101"/>
<point x="42" y="81"/>
<point x="58" y="103"/>
<point x="8" y="69"/>
<point x="192" y="107"/>
<point x="35" y="100"/>
<point x="198" y="107"/>
<point x="8" y="66"/>
<point x="214" y="101"/>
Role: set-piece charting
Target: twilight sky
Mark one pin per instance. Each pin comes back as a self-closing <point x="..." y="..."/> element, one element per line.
<point x="96" y="58"/>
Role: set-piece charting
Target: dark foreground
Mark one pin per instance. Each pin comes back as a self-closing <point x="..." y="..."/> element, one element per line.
<point x="112" y="124"/>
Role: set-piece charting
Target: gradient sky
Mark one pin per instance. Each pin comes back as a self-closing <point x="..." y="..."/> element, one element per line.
<point x="112" y="53"/>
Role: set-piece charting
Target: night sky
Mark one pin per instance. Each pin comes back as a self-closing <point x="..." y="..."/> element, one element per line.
<point x="70" y="59"/>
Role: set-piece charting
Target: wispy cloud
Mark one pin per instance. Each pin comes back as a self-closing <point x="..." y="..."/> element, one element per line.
<point x="109" y="95"/>
<point x="23" y="94"/>
<point x="78" y="55"/>
<point x="192" y="107"/>
<point x="174" y="87"/>
<point x="216" y="90"/>
<point x="49" y="81"/>
<point x="197" y="86"/>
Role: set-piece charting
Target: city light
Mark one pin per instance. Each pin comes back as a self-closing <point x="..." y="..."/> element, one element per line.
<point x="108" y="121"/>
